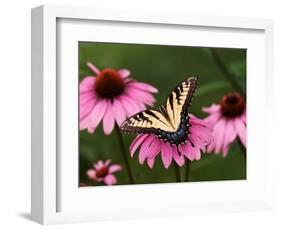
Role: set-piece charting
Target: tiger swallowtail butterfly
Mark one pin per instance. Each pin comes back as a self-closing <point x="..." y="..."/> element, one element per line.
<point x="171" y="122"/>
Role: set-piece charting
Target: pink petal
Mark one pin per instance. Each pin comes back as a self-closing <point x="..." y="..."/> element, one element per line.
<point x="150" y="162"/>
<point x="119" y="111"/>
<point x="189" y="151"/>
<point x="144" y="150"/>
<point x="124" y="73"/>
<point x="196" y="149"/>
<point x="178" y="158"/>
<point x="201" y="133"/>
<point x="197" y="121"/>
<point x="211" y="147"/>
<point x="166" y="154"/>
<point x="110" y="179"/>
<point x="129" y="105"/>
<point x="241" y="130"/>
<point x="84" y="98"/>
<point x="114" y="168"/>
<point x="135" y="104"/>
<point x="140" y="96"/>
<point x="87" y="84"/>
<point x="97" y="114"/>
<point x="185" y="149"/>
<point x="99" y="165"/>
<point x="108" y="120"/>
<point x="91" y="173"/>
<point x="213" y="118"/>
<point x="212" y="109"/>
<point x="93" y="68"/>
<point x="135" y="144"/>
<point x="84" y="122"/>
<point x="230" y="134"/>
<point x="107" y="162"/>
<point x="143" y="86"/>
<point x="154" y="148"/>
<point x="219" y="134"/>
<point x="86" y="108"/>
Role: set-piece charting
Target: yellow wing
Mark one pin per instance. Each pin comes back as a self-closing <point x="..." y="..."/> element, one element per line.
<point x="146" y="121"/>
<point x="180" y="99"/>
<point x="168" y="117"/>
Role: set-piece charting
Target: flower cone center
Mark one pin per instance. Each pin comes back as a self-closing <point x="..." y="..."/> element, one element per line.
<point x="109" y="83"/>
<point x="232" y="105"/>
<point x="102" y="172"/>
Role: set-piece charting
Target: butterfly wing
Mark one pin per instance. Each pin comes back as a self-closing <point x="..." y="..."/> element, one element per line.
<point x="168" y="117"/>
<point x="147" y="121"/>
<point x="180" y="99"/>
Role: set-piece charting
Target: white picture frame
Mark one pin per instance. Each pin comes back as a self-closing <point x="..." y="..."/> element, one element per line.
<point x="55" y="200"/>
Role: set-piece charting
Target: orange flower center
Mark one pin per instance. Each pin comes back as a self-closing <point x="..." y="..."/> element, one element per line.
<point x="232" y="105"/>
<point x="109" y="83"/>
<point x="102" y="172"/>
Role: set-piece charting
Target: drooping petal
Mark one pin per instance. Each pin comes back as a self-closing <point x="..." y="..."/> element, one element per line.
<point x="154" y="148"/>
<point x="143" y="86"/>
<point x="114" y="168"/>
<point x="131" y="108"/>
<point x="195" y="150"/>
<point x="119" y="111"/>
<point x="139" y="95"/>
<point x="124" y="73"/>
<point x="150" y="162"/>
<point x="189" y="151"/>
<point x="86" y="108"/>
<point x="110" y="179"/>
<point x="129" y="105"/>
<point x="144" y="150"/>
<point x="87" y="84"/>
<point x="179" y="158"/>
<point x="84" y="98"/>
<point x="219" y="134"/>
<point x="241" y="130"/>
<point x="201" y="133"/>
<point x="230" y="134"/>
<point x="213" y="118"/>
<point x="185" y="150"/>
<point x="93" y="68"/>
<point x="136" y="143"/>
<point x="97" y="114"/>
<point x="166" y="154"/>
<point x="108" y="120"/>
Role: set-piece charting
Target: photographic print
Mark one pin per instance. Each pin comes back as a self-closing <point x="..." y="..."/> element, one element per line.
<point x="161" y="114"/>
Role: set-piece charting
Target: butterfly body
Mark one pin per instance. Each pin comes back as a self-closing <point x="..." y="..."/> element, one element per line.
<point x="171" y="122"/>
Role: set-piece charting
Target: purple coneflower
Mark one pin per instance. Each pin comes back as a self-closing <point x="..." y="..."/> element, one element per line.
<point x="151" y="146"/>
<point x="111" y="96"/>
<point x="228" y="120"/>
<point x="103" y="172"/>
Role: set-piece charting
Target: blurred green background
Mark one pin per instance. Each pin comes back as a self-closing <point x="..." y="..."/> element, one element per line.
<point x="164" y="67"/>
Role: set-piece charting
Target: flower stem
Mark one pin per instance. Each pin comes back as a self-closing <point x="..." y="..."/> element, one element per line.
<point x="124" y="153"/>
<point x="187" y="171"/>
<point x="229" y="76"/>
<point x="177" y="172"/>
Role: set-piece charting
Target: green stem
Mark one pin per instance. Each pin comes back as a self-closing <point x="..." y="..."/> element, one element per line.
<point x="187" y="171"/>
<point x="177" y="172"/>
<point x="124" y="153"/>
<point x="229" y="76"/>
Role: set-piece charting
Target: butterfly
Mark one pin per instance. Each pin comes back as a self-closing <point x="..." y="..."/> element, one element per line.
<point x="171" y="122"/>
